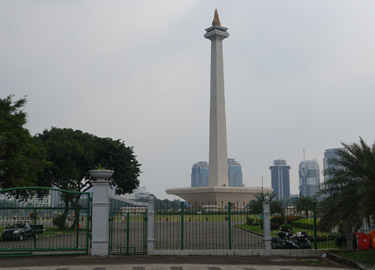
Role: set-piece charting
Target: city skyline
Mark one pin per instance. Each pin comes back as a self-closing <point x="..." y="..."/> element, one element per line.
<point x="297" y="75"/>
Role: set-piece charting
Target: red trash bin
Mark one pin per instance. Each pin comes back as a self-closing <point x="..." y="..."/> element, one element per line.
<point x="372" y="239"/>
<point x="363" y="240"/>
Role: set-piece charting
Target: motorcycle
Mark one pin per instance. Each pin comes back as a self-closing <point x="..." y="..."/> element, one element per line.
<point x="286" y="240"/>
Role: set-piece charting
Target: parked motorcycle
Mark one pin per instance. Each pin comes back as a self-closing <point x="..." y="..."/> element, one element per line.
<point x="288" y="241"/>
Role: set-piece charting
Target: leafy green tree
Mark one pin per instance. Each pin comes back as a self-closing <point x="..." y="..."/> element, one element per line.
<point x="73" y="153"/>
<point x="349" y="193"/>
<point x="304" y="204"/>
<point x="256" y="206"/>
<point x="22" y="158"/>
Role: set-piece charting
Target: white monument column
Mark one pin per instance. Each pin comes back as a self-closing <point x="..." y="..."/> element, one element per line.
<point x="218" y="163"/>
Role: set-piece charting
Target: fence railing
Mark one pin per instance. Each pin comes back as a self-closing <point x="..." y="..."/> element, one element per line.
<point x="207" y="227"/>
<point x="128" y="227"/>
<point x="44" y="221"/>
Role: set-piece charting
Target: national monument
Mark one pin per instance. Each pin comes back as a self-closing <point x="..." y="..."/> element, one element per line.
<point x="218" y="191"/>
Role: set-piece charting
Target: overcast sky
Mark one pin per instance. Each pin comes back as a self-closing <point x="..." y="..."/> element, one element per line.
<point x="298" y="74"/>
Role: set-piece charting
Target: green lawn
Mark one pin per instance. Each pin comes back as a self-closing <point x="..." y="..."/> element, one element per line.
<point x="365" y="256"/>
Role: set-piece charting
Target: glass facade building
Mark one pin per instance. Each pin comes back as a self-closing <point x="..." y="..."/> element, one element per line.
<point x="309" y="178"/>
<point x="280" y="179"/>
<point x="200" y="171"/>
<point x="329" y="155"/>
<point x="199" y="174"/>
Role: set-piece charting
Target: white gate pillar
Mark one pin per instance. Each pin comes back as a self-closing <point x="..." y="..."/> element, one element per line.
<point x="100" y="215"/>
<point x="267" y="224"/>
<point x="150" y="225"/>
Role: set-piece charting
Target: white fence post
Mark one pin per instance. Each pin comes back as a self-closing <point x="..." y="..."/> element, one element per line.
<point x="100" y="218"/>
<point x="266" y="224"/>
<point x="150" y="225"/>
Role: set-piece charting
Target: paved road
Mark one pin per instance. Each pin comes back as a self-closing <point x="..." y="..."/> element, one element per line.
<point x="166" y="262"/>
<point x="179" y="267"/>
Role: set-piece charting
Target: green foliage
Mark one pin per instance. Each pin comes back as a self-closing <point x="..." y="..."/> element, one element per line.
<point x="250" y="221"/>
<point x="303" y="225"/>
<point x="256" y="206"/>
<point x="349" y="193"/>
<point x="59" y="222"/>
<point x="304" y="204"/>
<point x="22" y="157"/>
<point x="73" y="153"/>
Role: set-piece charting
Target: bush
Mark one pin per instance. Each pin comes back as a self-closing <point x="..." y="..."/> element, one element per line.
<point x="59" y="221"/>
<point x="291" y="219"/>
<point x="277" y="220"/>
<point x="301" y="225"/>
<point x="275" y="226"/>
<point x="286" y="228"/>
<point x="250" y="221"/>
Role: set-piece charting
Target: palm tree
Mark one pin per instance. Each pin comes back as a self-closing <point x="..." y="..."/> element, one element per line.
<point x="304" y="204"/>
<point x="350" y="192"/>
<point x="275" y="205"/>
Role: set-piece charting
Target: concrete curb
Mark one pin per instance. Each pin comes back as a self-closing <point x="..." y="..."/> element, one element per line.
<point x="249" y="252"/>
<point x="349" y="262"/>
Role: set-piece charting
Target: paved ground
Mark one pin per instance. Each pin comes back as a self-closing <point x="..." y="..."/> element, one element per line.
<point x="166" y="262"/>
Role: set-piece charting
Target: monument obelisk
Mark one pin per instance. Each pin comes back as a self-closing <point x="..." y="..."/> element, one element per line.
<point x="218" y="192"/>
<point x="218" y="162"/>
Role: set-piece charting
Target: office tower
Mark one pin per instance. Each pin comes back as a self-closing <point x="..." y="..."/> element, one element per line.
<point x="199" y="174"/>
<point x="309" y="178"/>
<point x="234" y="173"/>
<point x="329" y="155"/>
<point x="280" y="180"/>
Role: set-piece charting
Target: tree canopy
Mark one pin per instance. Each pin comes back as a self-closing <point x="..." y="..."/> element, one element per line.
<point x="349" y="193"/>
<point x="304" y="204"/>
<point x="256" y="205"/>
<point x="72" y="153"/>
<point x="21" y="157"/>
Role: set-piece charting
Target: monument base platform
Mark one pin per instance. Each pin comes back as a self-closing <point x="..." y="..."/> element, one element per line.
<point x="218" y="195"/>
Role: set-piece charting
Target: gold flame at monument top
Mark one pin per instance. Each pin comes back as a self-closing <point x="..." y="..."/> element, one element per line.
<point x="216" y="21"/>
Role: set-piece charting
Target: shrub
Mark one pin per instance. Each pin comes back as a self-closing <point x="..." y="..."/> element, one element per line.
<point x="59" y="221"/>
<point x="277" y="220"/>
<point x="291" y="219"/>
<point x="250" y="221"/>
<point x="301" y="225"/>
<point x="286" y="228"/>
<point x="275" y="226"/>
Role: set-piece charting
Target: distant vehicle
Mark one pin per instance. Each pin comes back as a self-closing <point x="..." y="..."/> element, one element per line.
<point x="20" y="231"/>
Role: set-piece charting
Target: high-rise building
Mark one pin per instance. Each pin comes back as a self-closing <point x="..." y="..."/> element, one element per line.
<point x="280" y="180"/>
<point x="200" y="173"/>
<point x="234" y="173"/>
<point x="309" y="177"/>
<point x="329" y="155"/>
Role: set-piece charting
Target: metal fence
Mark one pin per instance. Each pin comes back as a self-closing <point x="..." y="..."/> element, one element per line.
<point x="128" y="227"/>
<point x="207" y="227"/>
<point x="37" y="221"/>
<point x="308" y="221"/>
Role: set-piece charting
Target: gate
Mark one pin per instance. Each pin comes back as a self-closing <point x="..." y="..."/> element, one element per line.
<point x="41" y="221"/>
<point x="127" y="227"/>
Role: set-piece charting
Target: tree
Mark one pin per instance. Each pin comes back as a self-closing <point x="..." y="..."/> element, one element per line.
<point x="304" y="204"/>
<point x="256" y="205"/>
<point x="349" y="193"/>
<point x="73" y="153"/>
<point x="22" y="158"/>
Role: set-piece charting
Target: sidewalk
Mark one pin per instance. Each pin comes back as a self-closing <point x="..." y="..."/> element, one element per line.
<point x="166" y="263"/>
